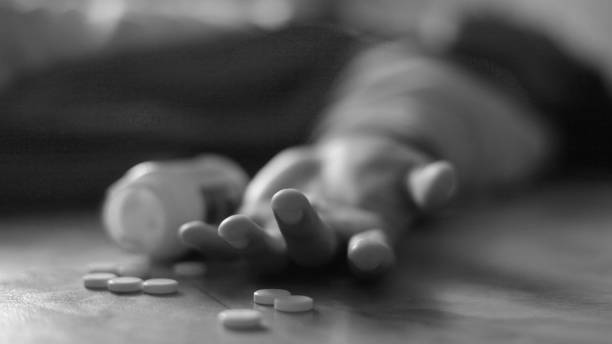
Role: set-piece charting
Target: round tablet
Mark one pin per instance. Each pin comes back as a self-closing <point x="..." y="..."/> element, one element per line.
<point x="293" y="303"/>
<point x="267" y="296"/>
<point x="97" y="280"/>
<point x="189" y="269"/>
<point x="160" y="286"/>
<point x="240" y="318"/>
<point x="141" y="269"/>
<point x="110" y="267"/>
<point x="124" y="284"/>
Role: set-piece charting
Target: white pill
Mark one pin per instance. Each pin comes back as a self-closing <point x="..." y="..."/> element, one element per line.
<point x="293" y="303"/>
<point x="110" y="267"/>
<point x="240" y="318"/>
<point x="267" y="296"/>
<point x="97" y="280"/>
<point x="189" y="269"/>
<point x="124" y="284"/>
<point x="141" y="269"/>
<point x="160" y="286"/>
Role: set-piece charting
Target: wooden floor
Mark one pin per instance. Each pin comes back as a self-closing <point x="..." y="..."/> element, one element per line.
<point x="534" y="269"/>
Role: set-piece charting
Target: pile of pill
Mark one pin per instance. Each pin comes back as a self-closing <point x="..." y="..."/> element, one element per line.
<point x="281" y="299"/>
<point x="132" y="277"/>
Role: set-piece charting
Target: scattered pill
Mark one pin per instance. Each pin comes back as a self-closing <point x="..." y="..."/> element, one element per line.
<point x="141" y="269"/>
<point x="110" y="267"/>
<point x="267" y="296"/>
<point x="189" y="269"/>
<point x="160" y="286"/>
<point x="97" y="280"/>
<point x="293" y="303"/>
<point x="125" y="284"/>
<point x="240" y="318"/>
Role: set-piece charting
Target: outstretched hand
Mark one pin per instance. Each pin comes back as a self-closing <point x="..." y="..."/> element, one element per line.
<point x="354" y="194"/>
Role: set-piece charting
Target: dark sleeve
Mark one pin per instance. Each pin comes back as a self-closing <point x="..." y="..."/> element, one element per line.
<point x="532" y="67"/>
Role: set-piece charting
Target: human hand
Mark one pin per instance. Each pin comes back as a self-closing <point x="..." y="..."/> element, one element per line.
<point x="310" y="203"/>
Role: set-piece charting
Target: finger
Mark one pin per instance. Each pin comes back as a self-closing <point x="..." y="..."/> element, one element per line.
<point x="370" y="253"/>
<point x="263" y="251"/>
<point x="433" y="185"/>
<point x="204" y="238"/>
<point x="310" y="242"/>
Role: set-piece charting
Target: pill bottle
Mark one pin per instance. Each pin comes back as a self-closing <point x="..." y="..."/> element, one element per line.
<point x="143" y="210"/>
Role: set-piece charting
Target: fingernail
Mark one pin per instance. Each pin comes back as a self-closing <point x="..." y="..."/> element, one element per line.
<point x="191" y="226"/>
<point x="234" y="236"/>
<point x="238" y="242"/>
<point x="289" y="216"/>
<point x="188" y="232"/>
<point x="432" y="185"/>
<point x="367" y="255"/>
<point x="288" y="206"/>
<point x="193" y="233"/>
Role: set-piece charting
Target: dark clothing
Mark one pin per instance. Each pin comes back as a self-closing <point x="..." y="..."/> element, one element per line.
<point x="567" y="92"/>
<point x="70" y="130"/>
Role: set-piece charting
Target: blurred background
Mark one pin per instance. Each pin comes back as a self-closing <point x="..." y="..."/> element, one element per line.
<point x="66" y="132"/>
<point x="35" y="32"/>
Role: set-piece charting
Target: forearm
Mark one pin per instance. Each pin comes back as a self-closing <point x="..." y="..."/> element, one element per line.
<point x="491" y="139"/>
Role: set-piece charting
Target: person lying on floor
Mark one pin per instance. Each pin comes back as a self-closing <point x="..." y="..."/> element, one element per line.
<point x="406" y="128"/>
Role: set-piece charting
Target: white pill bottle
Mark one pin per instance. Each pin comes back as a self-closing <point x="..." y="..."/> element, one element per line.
<point x="143" y="210"/>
